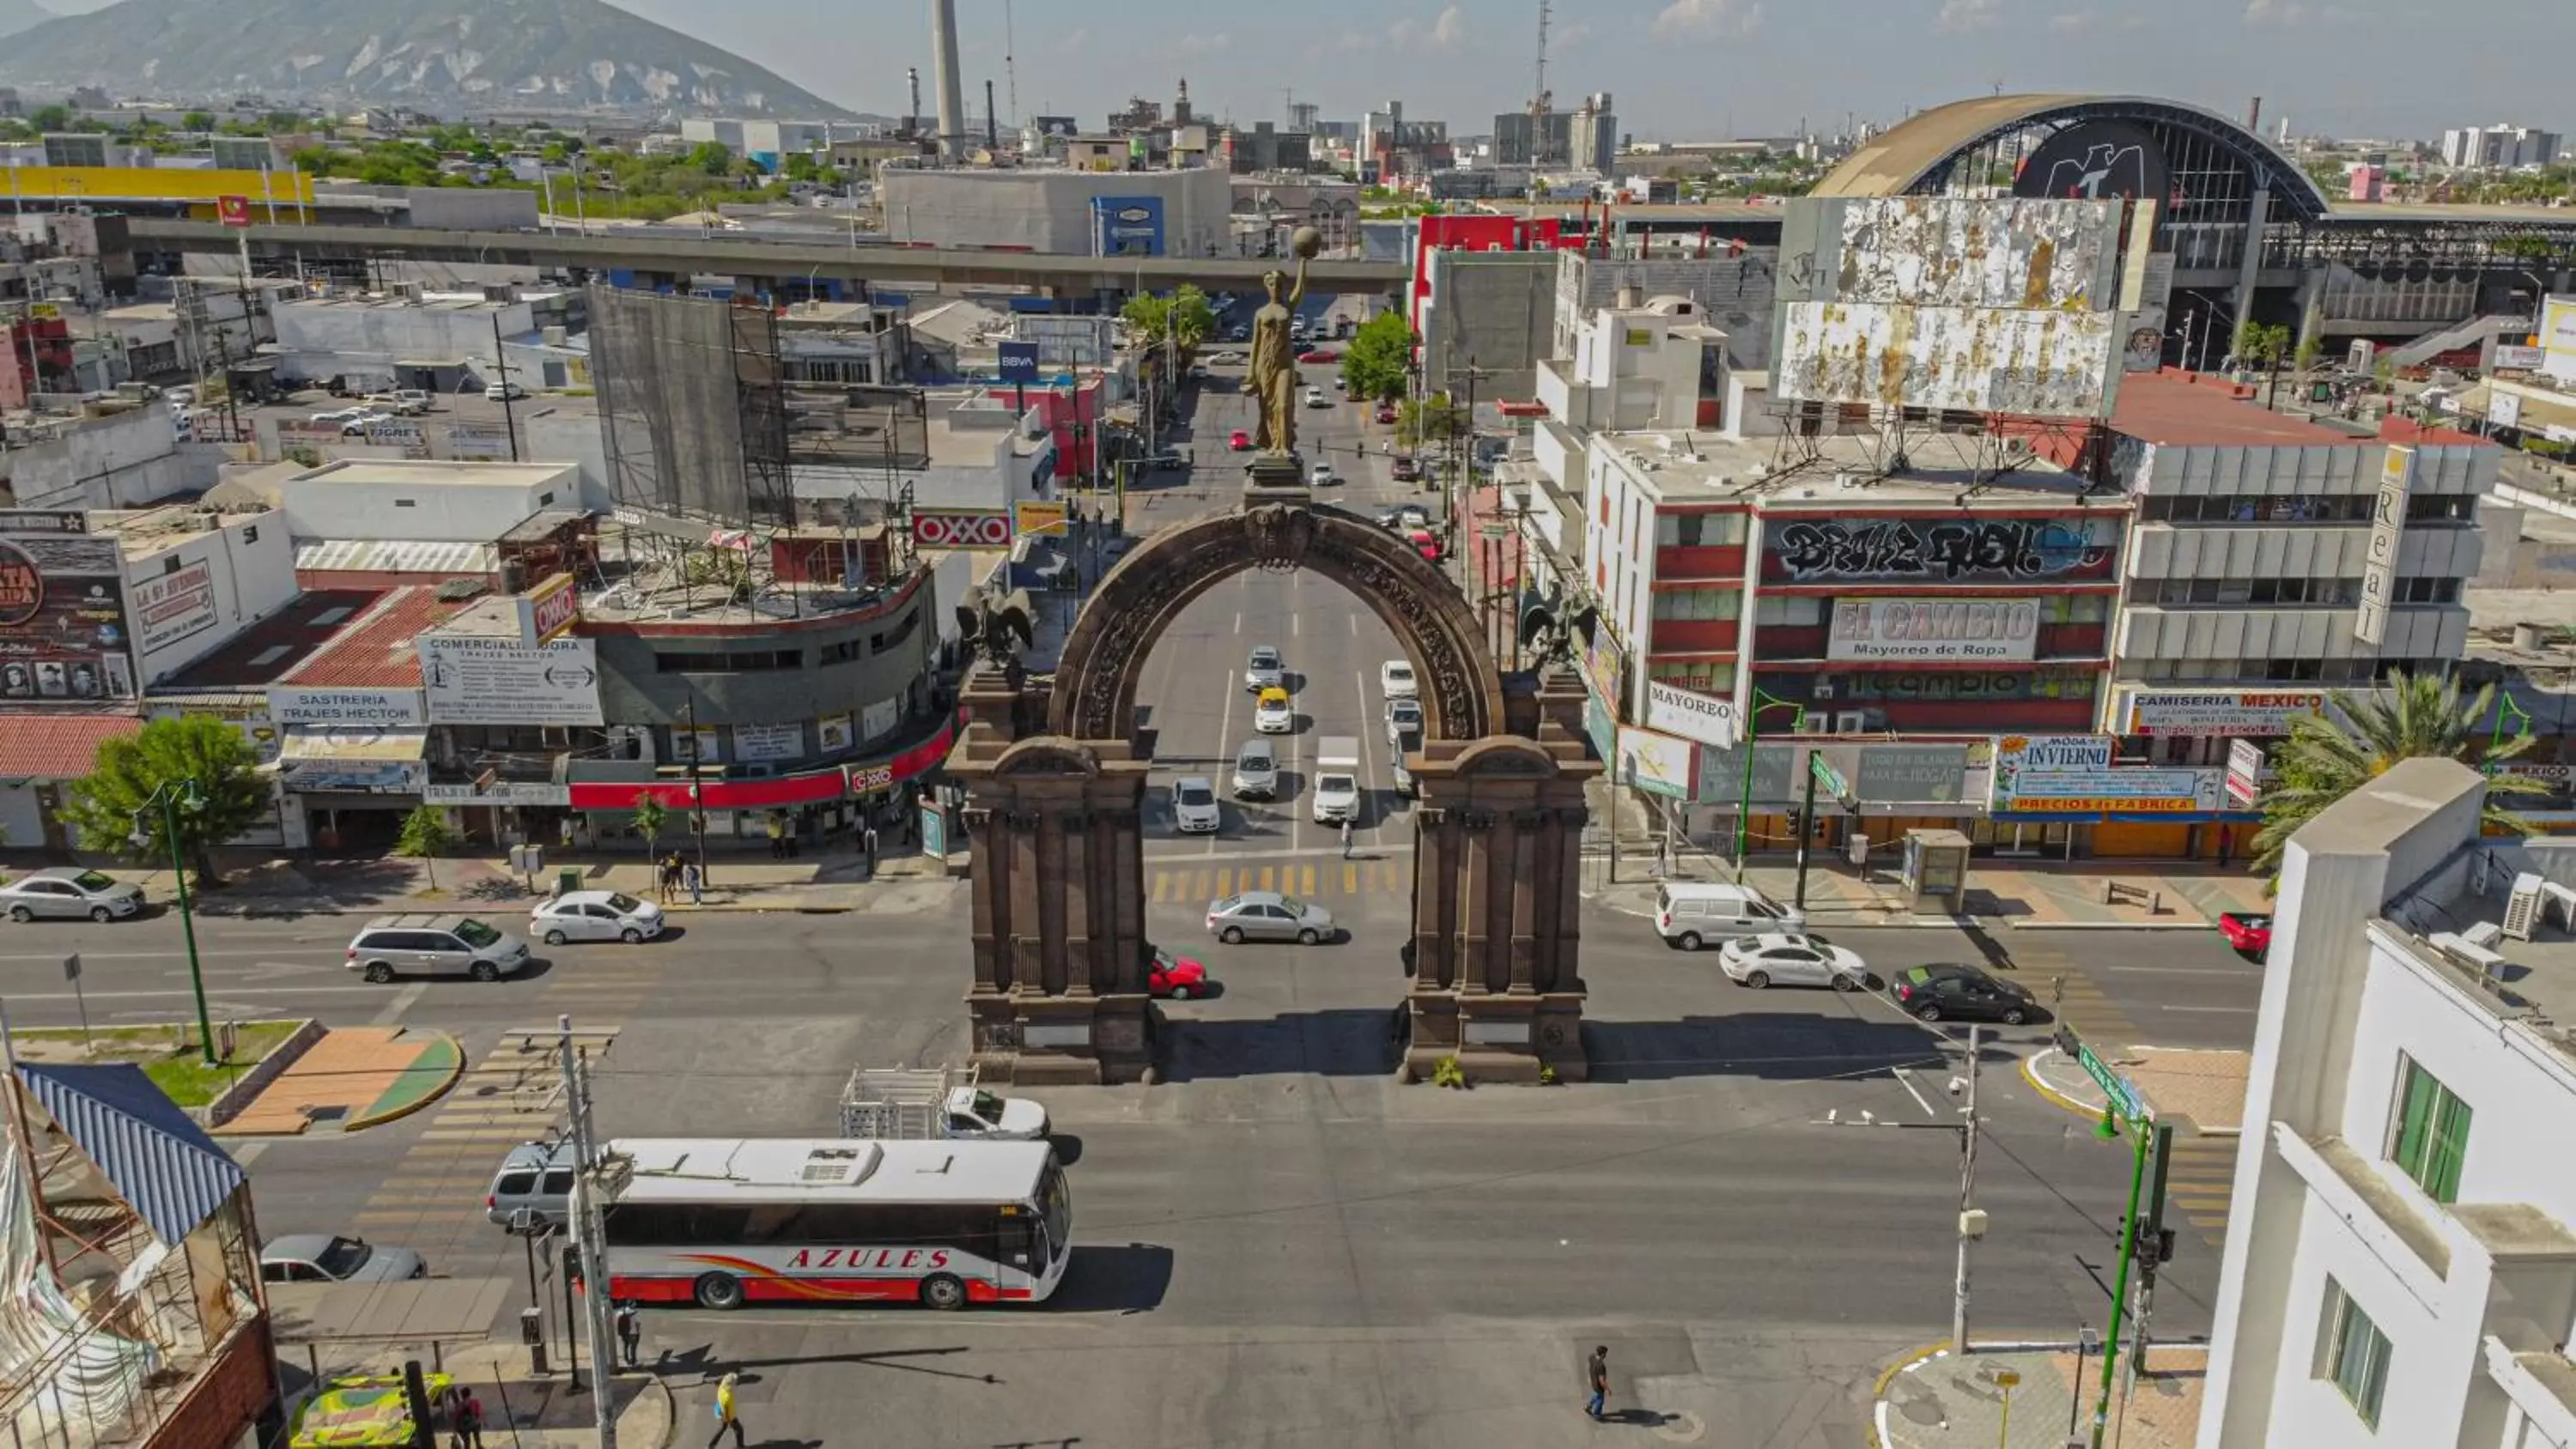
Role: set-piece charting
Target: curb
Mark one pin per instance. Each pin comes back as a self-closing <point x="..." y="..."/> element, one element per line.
<point x="653" y="1388"/>
<point x="1911" y="1358"/>
<point x="2019" y="924"/>
<point x="2030" y="1074"/>
<point x="455" y="1073"/>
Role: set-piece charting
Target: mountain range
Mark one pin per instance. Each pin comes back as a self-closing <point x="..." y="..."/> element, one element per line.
<point x="435" y="55"/>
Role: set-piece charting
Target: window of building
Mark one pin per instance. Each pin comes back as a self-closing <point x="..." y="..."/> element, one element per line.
<point x="2255" y="508"/>
<point x="2428" y="1132"/>
<point x="1789" y="611"/>
<point x="2356" y="1353"/>
<point x="2426" y="591"/>
<point x="1699" y="530"/>
<point x="1698" y="603"/>
<point x="2441" y="507"/>
<point x="2076" y="608"/>
<point x="881" y="642"/>
<point x="748" y="661"/>
<point x="844" y="652"/>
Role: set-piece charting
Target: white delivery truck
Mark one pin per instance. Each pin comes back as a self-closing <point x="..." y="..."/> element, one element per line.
<point x="1337" y="780"/>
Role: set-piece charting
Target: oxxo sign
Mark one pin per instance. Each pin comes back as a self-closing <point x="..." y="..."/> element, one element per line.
<point x="548" y="610"/>
<point x="933" y="529"/>
<point x="1934" y="630"/>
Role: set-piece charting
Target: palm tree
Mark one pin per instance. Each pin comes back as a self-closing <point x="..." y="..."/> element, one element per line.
<point x="2326" y="758"/>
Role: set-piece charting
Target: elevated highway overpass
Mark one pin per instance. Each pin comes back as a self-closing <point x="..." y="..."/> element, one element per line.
<point x="678" y="259"/>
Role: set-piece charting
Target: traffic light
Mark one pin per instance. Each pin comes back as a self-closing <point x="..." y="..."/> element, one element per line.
<point x="2155" y="1249"/>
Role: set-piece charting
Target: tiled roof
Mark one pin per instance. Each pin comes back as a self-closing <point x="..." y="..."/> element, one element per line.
<point x="164" y="1165"/>
<point x="269" y="650"/>
<point x="376" y="651"/>
<point x="2182" y="409"/>
<point x="37" y="745"/>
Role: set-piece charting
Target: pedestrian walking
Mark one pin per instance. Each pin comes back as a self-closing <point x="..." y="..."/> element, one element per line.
<point x="670" y="873"/>
<point x="1598" y="1374"/>
<point x="630" y="1331"/>
<point x="868" y="844"/>
<point x="696" y="883"/>
<point x="725" y="1418"/>
<point x="563" y="834"/>
<point x="777" y="836"/>
<point x="467" y="1420"/>
<point x="1346" y="837"/>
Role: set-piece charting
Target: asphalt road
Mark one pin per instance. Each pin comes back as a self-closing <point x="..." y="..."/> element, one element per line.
<point x="1752" y="1204"/>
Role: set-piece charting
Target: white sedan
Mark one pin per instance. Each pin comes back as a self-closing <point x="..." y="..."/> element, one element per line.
<point x="1395" y="680"/>
<point x="595" y="916"/>
<point x="1791" y="960"/>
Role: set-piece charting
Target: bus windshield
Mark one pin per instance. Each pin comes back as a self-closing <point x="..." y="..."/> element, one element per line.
<point x="1055" y="1208"/>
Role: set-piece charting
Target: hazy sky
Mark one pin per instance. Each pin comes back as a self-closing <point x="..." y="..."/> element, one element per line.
<point x="1685" y="68"/>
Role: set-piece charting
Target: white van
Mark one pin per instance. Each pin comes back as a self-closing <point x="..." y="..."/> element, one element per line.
<point x="1690" y="913"/>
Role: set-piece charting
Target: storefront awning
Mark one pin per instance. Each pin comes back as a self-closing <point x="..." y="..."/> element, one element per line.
<point x="373" y="745"/>
<point x="811" y="787"/>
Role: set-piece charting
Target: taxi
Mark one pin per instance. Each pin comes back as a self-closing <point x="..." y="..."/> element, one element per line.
<point x="1271" y="713"/>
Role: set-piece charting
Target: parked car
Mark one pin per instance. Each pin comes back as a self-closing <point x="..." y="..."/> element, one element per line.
<point x="70" y="895"/>
<point x="1315" y="398"/>
<point x="1323" y="476"/>
<point x="1690" y="914"/>
<point x="1175" y="977"/>
<point x="335" y="417"/>
<point x="1194" y="807"/>
<point x="1404" y="517"/>
<point x="1268" y="916"/>
<point x="1386" y="412"/>
<point x="594" y="916"/>
<point x="504" y="392"/>
<point x="534" y="1178"/>
<point x="2250" y="932"/>
<point x="1395" y="680"/>
<point x="1404" y="469"/>
<point x="1791" y="960"/>
<point x="1264" y="669"/>
<point x="412" y="401"/>
<point x="366" y="418"/>
<point x="1960" y="993"/>
<point x="391" y="946"/>
<point x="1425" y="543"/>
<point x="1319" y="355"/>
<point x="1239" y="440"/>
<point x="1403" y="716"/>
<point x="330" y="1258"/>
<point x="1226" y="359"/>
<point x="1272" y="714"/>
<point x="1256" y="770"/>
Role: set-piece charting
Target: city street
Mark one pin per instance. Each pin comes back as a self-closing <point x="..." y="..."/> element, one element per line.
<point x="1752" y="1204"/>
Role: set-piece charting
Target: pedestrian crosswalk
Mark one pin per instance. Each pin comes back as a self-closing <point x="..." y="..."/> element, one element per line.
<point x="2077" y="1002"/>
<point x="432" y="1200"/>
<point x="2200" y="1183"/>
<point x="1188" y="885"/>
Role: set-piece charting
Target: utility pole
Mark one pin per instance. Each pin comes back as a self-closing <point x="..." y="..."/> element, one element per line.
<point x="1972" y="1223"/>
<point x="588" y="1235"/>
<point x="697" y="798"/>
<point x="501" y="364"/>
<point x="2154" y="1252"/>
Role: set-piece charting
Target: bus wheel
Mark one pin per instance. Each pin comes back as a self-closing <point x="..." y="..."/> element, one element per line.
<point x="942" y="1292"/>
<point x="720" y="1291"/>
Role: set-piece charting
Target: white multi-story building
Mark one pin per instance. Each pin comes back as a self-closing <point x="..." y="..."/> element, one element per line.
<point x="2401" y="1259"/>
<point x="2500" y="146"/>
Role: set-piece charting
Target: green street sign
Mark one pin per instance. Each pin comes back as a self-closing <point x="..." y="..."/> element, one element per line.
<point x="1827" y="776"/>
<point x="2124" y="1098"/>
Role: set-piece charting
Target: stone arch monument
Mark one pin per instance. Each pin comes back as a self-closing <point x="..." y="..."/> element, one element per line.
<point x="1055" y="773"/>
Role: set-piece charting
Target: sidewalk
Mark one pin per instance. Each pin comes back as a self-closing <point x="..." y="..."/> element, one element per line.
<point x="541" y="1413"/>
<point x="355" y="1077"/>
<point x="256" y="884"/>
<point x="1944" y="1402"/>
<point x="2206" y="1087"/>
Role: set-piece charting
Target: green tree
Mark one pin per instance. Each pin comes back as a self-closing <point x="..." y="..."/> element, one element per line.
<point x="101" y="808"/>
<point x="425" y="837"/>
<point x="51" y="118"/>
<point x="711" y="157"/>
<point x="197" y="121"/>
<point x="1432" y="419"/>
<point x="1182" y="315"/>
<point x="2327" y="757"/>
<point x="1376" y="363"/>
<point x="2263" y="344"/>
<point x="651" y="816"/>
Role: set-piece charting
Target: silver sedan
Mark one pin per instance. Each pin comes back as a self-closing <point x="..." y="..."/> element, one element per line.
<point x="70" y="895"/>
<point x="1268" y="916"/>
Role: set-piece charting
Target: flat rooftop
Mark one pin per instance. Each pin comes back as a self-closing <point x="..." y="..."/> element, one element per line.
<point x="2536" y="982"/>
<point x="2198" y="409"/>
<point x="424" y="473"/>
<point x="1705" y="467"/>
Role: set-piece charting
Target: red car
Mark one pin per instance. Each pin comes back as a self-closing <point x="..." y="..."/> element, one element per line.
<point x="1171" y="976"/>
<point x="1320" y="354"/>
<point x="1424" y="543"/>
<point x="1240" y="441"/>
<point x="1386" y="412"/>
<point x="2249" y="932"/>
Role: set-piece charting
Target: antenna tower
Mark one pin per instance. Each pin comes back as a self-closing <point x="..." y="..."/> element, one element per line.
<point x="1541" y="103"/>
<point x="1010" y="65"/>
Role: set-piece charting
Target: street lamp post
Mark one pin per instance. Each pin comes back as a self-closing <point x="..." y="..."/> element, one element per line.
<point x="1762" y="700"/>
<point x="169" y="799"/>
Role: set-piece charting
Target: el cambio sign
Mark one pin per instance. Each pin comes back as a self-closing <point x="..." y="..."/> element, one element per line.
<point x="1934" y="630"/>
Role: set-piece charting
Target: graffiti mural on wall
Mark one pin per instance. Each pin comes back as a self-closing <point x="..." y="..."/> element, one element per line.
<point x="1949" y="550"/>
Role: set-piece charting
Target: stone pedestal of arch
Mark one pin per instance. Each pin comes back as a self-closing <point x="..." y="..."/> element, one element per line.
<point x="1055" y="780"/>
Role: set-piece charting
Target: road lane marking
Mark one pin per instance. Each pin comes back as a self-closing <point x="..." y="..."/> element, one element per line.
<point x="185" y="991"/>
<point x="401" y="1003"/>
<point x="2213" y="1010"/>
<point x="55" y="957"/>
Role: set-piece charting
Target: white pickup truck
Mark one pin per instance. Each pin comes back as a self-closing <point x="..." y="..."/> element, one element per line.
<point x="918" y="1103"/>
<point x="1337" y="780"/>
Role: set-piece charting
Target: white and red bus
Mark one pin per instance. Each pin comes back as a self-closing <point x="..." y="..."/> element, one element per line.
<point x="721" y="1222"/>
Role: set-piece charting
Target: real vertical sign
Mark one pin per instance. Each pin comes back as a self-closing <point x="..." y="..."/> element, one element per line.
<point x="2387" y="526"/>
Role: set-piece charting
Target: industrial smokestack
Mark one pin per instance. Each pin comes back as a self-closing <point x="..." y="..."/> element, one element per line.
<point x="2254" y="116"/>
<point x="912" y="115"/>
<point x="992" y="127"/>
<point x="943" y="74"/>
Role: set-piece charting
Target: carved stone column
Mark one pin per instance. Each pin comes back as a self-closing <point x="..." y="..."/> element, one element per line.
<point x="1529" y="830"/>
<point x="1476" y="903"/>
<point x="1435" y="872"/>
<point x="986" y="865"/>
<point x="1081" y="882"/>
<point x="1028" y="937"/>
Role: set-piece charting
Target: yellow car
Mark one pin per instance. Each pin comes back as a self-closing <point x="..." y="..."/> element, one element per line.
<point x="1271" y="713"/>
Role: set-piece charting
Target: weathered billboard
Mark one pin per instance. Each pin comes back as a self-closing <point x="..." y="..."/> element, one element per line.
<point x="2026" y="363"/>
<point x="1942" y="550"/>
<point x="2008" y="254"/>
<point x="63" y="633"/>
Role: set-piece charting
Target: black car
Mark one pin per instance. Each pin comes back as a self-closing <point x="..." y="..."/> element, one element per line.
<point x="1959" y="993"/>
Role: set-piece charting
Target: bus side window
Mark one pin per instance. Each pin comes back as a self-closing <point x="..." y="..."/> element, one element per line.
<point x="1019" y="1240"/>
